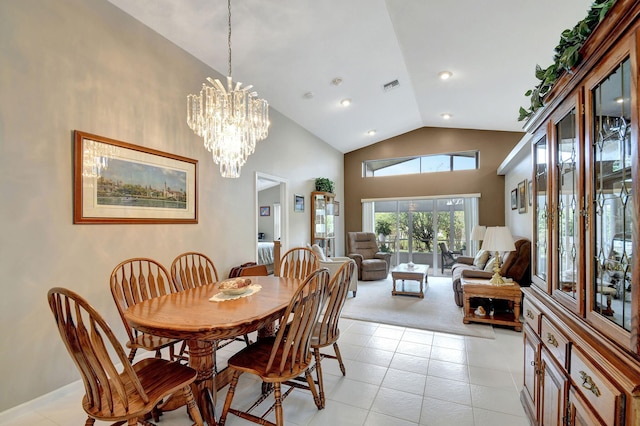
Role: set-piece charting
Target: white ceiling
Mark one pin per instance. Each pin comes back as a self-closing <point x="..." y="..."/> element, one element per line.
<point x="288" y="48"/>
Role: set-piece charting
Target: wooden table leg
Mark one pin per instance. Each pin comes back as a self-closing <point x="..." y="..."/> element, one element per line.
<point x="201" y="359"/>
<point x="516" y="313"/>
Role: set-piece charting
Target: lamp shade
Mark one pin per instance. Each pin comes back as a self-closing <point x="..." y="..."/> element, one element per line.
<point x="498" y="238"/>
<point x="477" y="233"/>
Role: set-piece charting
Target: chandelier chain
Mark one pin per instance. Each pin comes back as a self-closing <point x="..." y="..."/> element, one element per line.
<point x="229" y="34"/>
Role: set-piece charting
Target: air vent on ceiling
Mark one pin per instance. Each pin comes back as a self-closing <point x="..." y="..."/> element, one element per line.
<point x="391" y="85"/>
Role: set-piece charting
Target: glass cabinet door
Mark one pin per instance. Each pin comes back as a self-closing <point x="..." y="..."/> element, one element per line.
<point x="568" y="206"/>
<point x="323" y="221"/>
<point x="319" y="211"/>
<point x="540" y="213"/>
<point x="611" y="236"/>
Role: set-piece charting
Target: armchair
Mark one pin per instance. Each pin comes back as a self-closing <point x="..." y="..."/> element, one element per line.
<point x="448" y="258"/>
<point x="371" y="262"/>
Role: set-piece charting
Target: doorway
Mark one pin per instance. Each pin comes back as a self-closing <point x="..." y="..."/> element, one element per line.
<point x="271" y="192"/>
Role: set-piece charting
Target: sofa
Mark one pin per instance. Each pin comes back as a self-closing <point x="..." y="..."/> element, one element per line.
<point x="333" y="264"/>
<point x="372" y="263"/>
<point x="515" y="265"/>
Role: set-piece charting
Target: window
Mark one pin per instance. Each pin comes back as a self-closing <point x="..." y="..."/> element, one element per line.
<point x="468" y="160"/>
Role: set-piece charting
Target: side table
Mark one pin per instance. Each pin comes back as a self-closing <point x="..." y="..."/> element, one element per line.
<point x="482" y="288"/>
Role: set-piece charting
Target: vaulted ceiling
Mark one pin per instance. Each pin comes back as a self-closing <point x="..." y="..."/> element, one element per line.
<point x="292" y="51"/>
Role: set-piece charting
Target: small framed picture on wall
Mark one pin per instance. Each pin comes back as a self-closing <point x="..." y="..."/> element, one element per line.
<point x="265" y="211"/>
<point x="522" y="197"/>
<point x="298" y="203"/>
<point x="514" y="199"/>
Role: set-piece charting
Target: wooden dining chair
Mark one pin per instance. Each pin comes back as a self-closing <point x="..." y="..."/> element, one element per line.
<point x="133" y="281"/>
<point x="193" y="269"/>
<point x="326" y="331"/>
<point x="256" y="270"/>
<point x="298" y="263"/>
<point x="287" y="355"/>
<point x="122" y="397"/>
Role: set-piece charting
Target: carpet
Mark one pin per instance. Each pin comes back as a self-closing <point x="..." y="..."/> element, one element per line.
<point x="436" y="312"/>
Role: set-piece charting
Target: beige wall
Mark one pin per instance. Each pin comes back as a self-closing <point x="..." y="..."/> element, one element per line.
<point x="516" y="171"/>
<point x="493" y="147"/>
<point x="84" y="64"/>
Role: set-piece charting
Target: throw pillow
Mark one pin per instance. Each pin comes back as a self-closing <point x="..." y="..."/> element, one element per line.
<point x="490" y="263"/>
<point x="319" y="252"/>
<point x="481" y="259"/>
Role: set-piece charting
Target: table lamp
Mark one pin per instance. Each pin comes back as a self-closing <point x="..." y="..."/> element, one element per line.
<point x="498" y="238"/>
<point x="477" y="233"/>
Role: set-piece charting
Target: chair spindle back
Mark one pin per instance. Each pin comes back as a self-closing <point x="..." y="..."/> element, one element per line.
<point x="298" y="263"/>
<point x="193" y="269"/>
<point x="291" y="347"/>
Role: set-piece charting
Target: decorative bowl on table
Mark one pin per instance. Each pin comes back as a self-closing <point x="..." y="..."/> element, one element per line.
<point x="234" y="286"/>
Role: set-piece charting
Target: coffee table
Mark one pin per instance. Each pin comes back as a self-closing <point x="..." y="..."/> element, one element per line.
<point x="413" y="273"/>
<point x="482" y="288"/>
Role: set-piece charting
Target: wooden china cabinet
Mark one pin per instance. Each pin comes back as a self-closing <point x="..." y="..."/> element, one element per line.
<point x="323" y="221"/>
<point x="581" y="337"/>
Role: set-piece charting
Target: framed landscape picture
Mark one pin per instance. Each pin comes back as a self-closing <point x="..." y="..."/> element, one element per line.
<point x="265" y="211"/>
<point x="118" y="182"/>
<point x="514" y="199"/>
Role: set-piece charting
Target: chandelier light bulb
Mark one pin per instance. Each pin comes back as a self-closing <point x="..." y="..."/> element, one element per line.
<point x="445" y="75"/>
<point x="345" y="102"/>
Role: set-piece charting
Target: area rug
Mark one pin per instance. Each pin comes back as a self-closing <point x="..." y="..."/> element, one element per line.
<point x="436" y="312"/>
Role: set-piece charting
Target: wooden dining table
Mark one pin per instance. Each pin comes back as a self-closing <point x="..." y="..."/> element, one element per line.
<point x="191" y="316"/>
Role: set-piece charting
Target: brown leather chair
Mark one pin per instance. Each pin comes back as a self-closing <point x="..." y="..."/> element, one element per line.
<point x="372" y="263"/>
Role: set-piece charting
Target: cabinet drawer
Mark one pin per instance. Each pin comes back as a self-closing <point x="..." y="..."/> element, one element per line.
<point x="531" y="315"/>
<point x="603" y="396"/>
<point x="554" y="340"/>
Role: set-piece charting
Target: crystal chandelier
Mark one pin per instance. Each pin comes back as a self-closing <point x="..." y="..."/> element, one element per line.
<point x="230" y="120"/>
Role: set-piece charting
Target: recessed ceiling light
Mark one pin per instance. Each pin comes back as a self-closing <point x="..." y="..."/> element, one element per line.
<point x="308" y="95"/>
<point x="336" y="81"/>
<point x="446" y="116"/>
<point x="345" y="102"/>
<point x="445" y="75"/>
<point x="371" y="132"/>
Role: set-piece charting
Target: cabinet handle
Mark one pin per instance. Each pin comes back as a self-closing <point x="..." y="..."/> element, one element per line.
<point x="529" y="314"/>
<point x="552" y="340"/>
<point x="536" y="367"/>
<point x="587" y="383"/>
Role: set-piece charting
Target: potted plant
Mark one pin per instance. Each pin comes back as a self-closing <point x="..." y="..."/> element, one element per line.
<point x="324" y="185"/>
<point x="383" y="229"/>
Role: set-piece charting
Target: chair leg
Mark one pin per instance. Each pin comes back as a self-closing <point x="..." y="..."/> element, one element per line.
<point x="192" y="407"/>
<point x="339" y="358"/>
<point x="246" y="339"/>
<point x="90" y="421"/>
<point x="277" y="393"/>
<point x="319" y="401"/>
<point x="229" y="398"/>
<point x="132" y="354"/>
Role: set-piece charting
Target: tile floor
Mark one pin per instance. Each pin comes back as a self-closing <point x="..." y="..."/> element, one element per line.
<point x="395" y="377"/>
